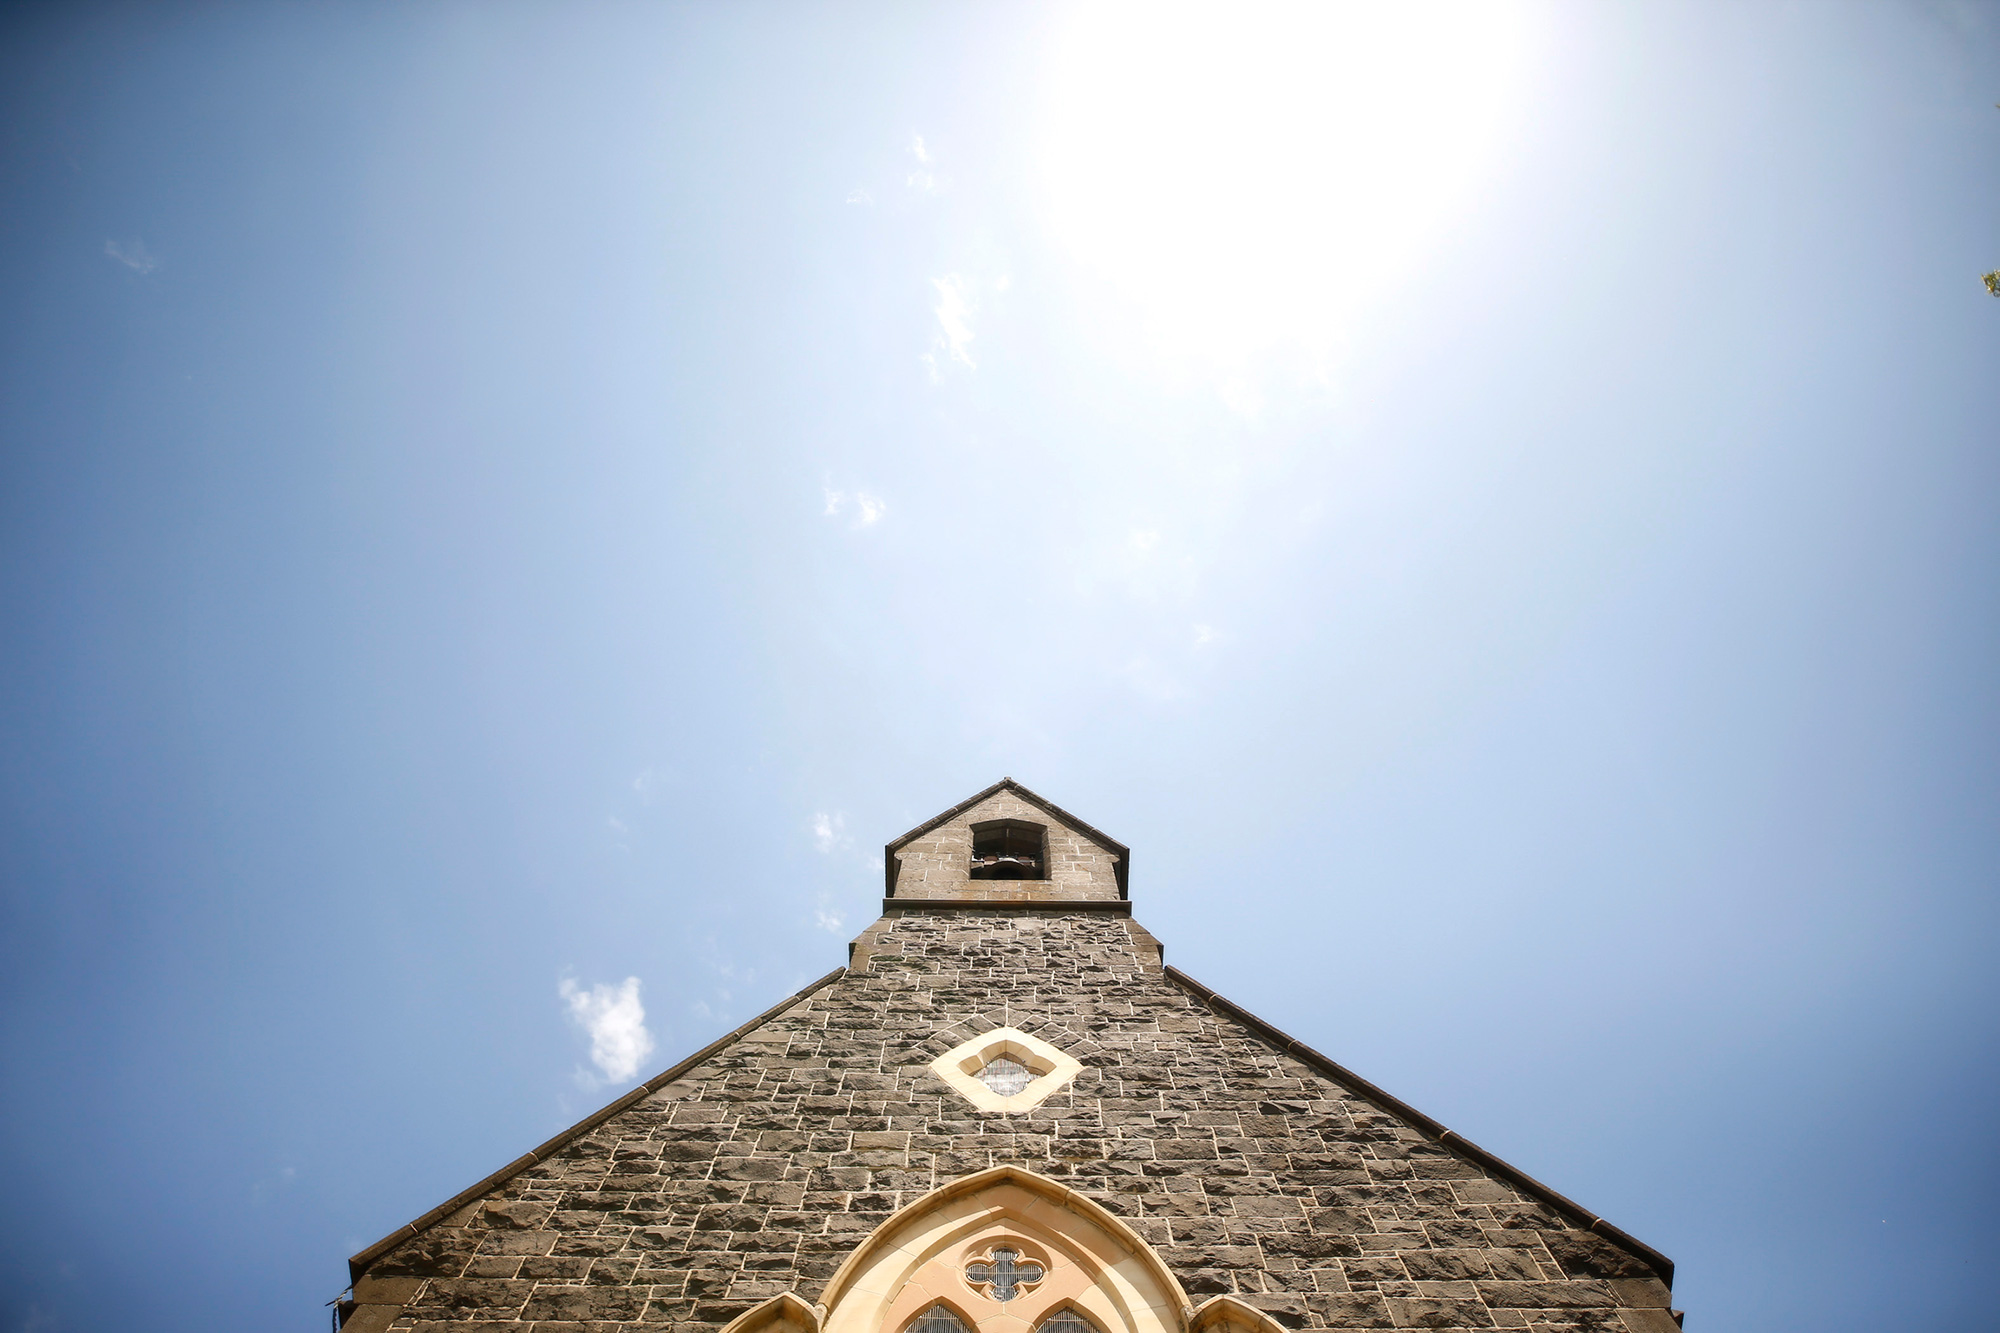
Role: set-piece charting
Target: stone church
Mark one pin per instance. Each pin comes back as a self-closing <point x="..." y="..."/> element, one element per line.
<point x="1006" y="1114"/>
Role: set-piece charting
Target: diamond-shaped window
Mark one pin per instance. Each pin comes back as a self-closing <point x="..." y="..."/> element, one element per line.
<point x="1006" y="1070"/>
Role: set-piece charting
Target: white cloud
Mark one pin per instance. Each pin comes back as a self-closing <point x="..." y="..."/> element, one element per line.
<point x="954" y="316"/>
<point x="285" y="1178"/>
<point x="922" y="180"/>
<point x="828" y="919"/>
<point x="1204" y="634"/>
<point x="830" y="833"/>
<point x="132" y="255"/>
<point x="868" y="507"/>
<point x="857" y="195"/>
<point x="616" y="1022"/>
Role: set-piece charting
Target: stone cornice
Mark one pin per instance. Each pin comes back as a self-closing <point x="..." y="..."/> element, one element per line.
<point x="1053" y="906"/>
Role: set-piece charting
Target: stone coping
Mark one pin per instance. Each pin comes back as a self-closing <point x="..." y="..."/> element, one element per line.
<point x="1464" y="1147"/>
<point x="358" y="1264"/>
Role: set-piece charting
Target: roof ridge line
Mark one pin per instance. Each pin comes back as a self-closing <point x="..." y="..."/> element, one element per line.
<point x="1450" y="1139"/>
<point x="358" y="1263"/>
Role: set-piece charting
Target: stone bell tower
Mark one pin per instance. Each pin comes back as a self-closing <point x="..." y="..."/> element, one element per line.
<point x="1007" y="1115"/>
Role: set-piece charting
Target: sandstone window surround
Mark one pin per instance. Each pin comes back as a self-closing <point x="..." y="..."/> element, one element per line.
<point x="983" y="1070"/>
<point x="911" y="1274"/>
<point x="944" y="1250"/>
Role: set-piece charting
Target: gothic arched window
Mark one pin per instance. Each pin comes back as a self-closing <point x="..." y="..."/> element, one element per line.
<point x="938" y="1319"/>
<point x="1066" y="1320"/>
<point x="1009" y="849"/>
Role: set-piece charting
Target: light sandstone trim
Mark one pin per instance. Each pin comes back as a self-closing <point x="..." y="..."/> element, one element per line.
<point x="786" y="1312"/>
<point x="1099" y="1264"/>
<point x="959" y="1067"/>
<point x="1226" y="1314"/>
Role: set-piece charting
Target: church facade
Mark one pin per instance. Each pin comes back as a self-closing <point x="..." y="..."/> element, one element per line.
<point x="1006" y="1114"/>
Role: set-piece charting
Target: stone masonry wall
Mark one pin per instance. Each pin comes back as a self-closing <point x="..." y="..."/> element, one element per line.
<point x="763" y="1167"/>
<point x="936" y="865"/>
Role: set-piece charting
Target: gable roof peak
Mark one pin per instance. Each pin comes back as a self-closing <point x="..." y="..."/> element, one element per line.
<point x="1120" y="854"/>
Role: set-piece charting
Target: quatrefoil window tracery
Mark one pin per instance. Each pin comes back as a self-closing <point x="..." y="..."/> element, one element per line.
<point x="1004" y="1273"/>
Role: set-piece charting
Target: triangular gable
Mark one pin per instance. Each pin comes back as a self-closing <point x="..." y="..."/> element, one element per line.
<point x="1119" y="850"/>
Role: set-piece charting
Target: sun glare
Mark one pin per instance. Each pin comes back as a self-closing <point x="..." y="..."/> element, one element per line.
<point x="1242" y="179"/>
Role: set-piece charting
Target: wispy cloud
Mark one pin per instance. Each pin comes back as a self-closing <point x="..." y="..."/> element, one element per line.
<point x="858" y="195"/>
<point x="830" y="833"/>
<point x="283" y="1178"/>
<point x="921" y="179"/>
<point x="954" y="309"/>
<point x="1204" y="634"/>
<point x="829" y="918"/>
<point x="132" y="254"/>
<point x="866" y="506"/>
<point x="616" y="1022"/>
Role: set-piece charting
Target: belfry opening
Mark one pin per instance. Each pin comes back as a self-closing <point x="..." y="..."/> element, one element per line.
<point x="1009" y="849"/>
<point x="1006" y="1114"/>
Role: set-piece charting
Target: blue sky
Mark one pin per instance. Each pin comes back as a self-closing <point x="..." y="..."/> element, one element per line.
<point x="1496" y="507"/>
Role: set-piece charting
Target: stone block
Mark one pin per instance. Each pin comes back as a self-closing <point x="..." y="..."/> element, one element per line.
<point x="386" y="1290"/>
<point x="1546" y="1295"/>
<point x="1355" y="1310"/>
<point x="1582" y="1254"/>
<point x="1433" y="1312"/>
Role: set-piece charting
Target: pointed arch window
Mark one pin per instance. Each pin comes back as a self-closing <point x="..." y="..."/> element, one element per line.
<point x="938" y="1319"/>
<point x="1066" y="1320"/>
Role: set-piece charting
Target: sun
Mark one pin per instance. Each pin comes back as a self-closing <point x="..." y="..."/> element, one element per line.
<point x="1240" y="181"/>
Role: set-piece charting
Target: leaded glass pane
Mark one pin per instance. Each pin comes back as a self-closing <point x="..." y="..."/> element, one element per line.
<point x="1065" y="1320"/>
<point x="938" y="1319"/>
<point x="1006" y="1075"/>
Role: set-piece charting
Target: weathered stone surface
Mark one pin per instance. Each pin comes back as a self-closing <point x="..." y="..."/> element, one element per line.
<point x="1253" y="1175"/>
